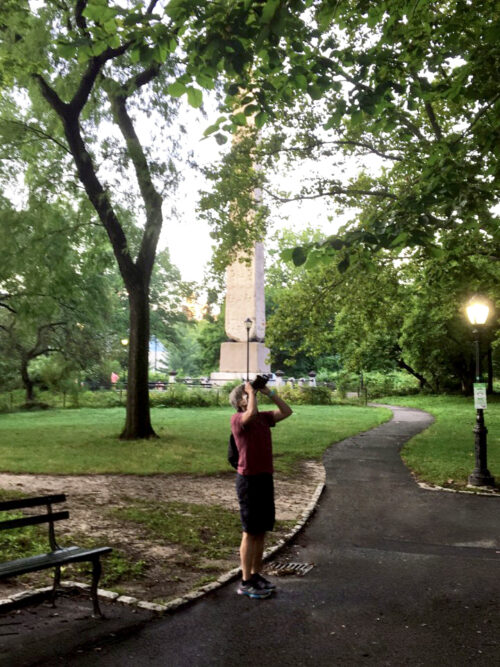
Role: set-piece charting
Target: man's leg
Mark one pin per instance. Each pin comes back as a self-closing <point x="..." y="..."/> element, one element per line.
<point x="251" y="550"/>
<point x="258" y="553"/>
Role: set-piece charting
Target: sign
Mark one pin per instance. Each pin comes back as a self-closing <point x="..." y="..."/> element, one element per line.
<point x="480" y="395"/>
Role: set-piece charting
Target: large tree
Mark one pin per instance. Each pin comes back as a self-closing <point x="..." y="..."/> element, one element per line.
<point x="412" y="87"/>
<point x="87" y="66"/>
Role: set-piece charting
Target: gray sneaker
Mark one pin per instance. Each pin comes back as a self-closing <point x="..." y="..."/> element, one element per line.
<point x="265" y="583"/>
<point x="254" y="589"/>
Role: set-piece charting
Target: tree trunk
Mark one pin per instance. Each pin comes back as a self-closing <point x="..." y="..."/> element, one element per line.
<point x="27" y="381"/>
<point x="138" y="419"/>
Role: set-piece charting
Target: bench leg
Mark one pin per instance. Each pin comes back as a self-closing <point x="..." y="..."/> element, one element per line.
<point x="56" y="584"/>
<point x="96" y="573"/>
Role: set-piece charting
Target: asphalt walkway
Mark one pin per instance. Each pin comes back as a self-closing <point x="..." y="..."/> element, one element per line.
<point x="401" y="576"/>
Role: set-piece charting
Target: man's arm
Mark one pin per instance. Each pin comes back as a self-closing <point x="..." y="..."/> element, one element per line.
<point x="284" y="410"/>
<point x="251" y="409"/>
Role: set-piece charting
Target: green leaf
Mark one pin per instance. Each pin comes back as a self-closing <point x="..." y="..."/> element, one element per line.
<point x="211" y="129"/>
<point x="239" y="119"/>
<point x="287" y="254"/>
<point x="67" y="51"/>
<point x="220" y="138"/>
<point x="269" y="10"/>
<point x="205" y="81"/>
<point x="135" y="55"/>
<point x="261" y="119"/>
<point x="195" y="97"/>
<point x="110" y="26"/>
<point x="315" y="92"/>
<point x="400" y="240"/>
<point x="299" y="255"/>
<point x="176" y="89"/>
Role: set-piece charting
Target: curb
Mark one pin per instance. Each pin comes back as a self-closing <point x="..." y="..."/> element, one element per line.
<point x="28" y="596"/>
<point x="470" y="491"/>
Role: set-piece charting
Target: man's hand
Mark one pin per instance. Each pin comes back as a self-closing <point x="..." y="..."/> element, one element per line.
<point x="284" y="410"/>
<point x="249" y="389"/>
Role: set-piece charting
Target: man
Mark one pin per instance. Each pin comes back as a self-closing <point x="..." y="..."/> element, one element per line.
<point x="254" y="480"/>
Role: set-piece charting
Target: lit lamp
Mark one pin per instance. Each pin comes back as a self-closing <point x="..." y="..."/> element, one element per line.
<point x="124" y="342"/>
<point x="477" y="312"/>
<point x="248" y="326"/>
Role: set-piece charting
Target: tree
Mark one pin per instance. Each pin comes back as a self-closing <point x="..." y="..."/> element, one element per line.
<point x="95" y="62"/>
<point x="402" y="83"/>
<point x="389" y="310"/>
<point x="53" y="293"/>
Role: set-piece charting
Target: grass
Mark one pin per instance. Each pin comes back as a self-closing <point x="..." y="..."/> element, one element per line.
<point x="209" y="530"/>
<point x="33" y="540"/>
<point x="444" y="453"/>
<point x="191" y="440"/>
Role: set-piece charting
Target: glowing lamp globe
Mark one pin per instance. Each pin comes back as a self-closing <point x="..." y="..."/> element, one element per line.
<point x="477" y="312"/>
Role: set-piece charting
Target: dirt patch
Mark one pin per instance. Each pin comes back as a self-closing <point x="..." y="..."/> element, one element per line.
<point x="169" y="570"/>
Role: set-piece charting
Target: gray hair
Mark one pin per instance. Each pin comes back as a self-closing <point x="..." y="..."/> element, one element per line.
<point x="236" y="395"/>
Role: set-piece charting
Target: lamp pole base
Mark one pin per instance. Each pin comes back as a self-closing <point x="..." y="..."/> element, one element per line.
<point x="478" y="478"/>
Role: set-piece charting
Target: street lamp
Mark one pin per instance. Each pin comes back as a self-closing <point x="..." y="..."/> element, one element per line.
<point x="124" y="342"/>
<point x="248" y="326"/>
<point x="477" y="312"/>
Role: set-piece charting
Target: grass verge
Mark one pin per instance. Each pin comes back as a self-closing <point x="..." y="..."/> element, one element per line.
<point x="190" y="440"/>
<point x="444" y="453"/>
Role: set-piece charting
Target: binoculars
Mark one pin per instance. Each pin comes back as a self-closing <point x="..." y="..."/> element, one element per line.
<point x="259" y="382"/>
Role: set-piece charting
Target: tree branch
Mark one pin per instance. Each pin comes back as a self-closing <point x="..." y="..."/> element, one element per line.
<point x="479" y="114"/>
<point x="335" y="191"/>
<point x="339" y="142"/>
<point x="152" y="199"/>
<point x="40" y="133"/>
<point x="433" y="120"/>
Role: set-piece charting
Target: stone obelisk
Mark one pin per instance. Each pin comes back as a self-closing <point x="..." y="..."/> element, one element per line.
<point x="244" y="300"/>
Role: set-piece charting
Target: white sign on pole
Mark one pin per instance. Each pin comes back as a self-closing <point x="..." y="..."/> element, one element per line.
<point x="480" y="395"/>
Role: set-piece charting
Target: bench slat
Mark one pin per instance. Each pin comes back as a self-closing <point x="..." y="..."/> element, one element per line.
<point x="67" y="555"/>
<point x="19" y="503"/>
<point x="33" y="520"/>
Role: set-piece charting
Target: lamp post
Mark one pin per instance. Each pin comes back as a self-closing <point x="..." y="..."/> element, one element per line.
<point x="124" y="342"/>
<point x="248" y="326"/>
<point x="477" y="312"/>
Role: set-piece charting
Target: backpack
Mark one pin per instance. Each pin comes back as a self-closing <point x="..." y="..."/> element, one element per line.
<point x="232" y="452"/>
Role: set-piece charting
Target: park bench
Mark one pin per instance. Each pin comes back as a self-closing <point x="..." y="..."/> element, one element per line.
<point x="58" y="556"/>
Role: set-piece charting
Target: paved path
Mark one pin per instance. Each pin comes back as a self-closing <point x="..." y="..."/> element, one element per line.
<point x="402" y="576"/>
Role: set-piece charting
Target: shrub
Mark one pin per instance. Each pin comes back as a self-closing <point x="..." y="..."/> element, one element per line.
<point x="101" y="399"/>
<point x="306" y="395"/>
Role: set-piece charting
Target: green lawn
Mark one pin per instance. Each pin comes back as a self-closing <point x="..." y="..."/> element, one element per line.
<point x="445" y="451"/>
<point x="191" y="440"/>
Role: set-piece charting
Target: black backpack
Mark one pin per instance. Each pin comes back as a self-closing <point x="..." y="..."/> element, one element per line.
<point x="232" y="452"/>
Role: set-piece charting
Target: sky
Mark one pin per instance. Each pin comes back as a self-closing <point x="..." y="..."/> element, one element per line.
<point x="188" y="237"/>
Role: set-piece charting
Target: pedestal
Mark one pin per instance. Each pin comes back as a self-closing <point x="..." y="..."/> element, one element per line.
<point x="233" y="361"/>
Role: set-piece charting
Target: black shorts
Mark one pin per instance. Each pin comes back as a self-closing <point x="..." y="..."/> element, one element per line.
<point x="256" y="498"/>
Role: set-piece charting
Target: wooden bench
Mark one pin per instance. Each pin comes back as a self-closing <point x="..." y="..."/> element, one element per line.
<point x="58" y="556"/>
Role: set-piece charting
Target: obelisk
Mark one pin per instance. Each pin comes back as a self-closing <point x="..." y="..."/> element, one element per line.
<point x="244" y="300"/>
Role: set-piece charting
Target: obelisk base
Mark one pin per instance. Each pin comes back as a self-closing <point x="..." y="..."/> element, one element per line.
<point x="233" y="361"/>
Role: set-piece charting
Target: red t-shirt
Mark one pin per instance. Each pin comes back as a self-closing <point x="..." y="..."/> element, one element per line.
<point x="254" y="443"/>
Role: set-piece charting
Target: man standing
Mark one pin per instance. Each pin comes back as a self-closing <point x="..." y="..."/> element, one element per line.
<point x="254" y="480"/>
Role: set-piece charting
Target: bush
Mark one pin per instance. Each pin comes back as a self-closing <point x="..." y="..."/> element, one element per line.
<point x="306" y="395"/>
<point x="180" y="396"/>
<point x="101" y="399"/>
